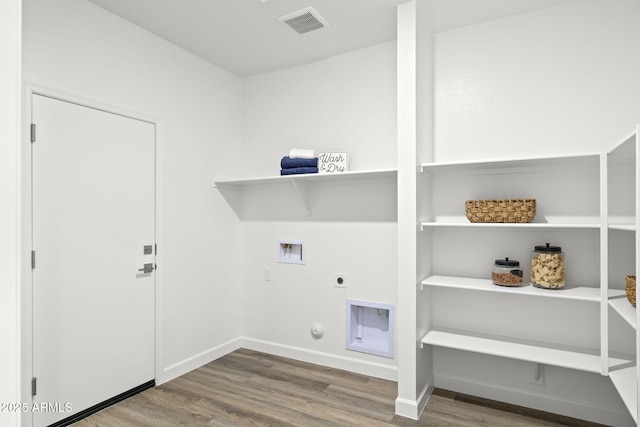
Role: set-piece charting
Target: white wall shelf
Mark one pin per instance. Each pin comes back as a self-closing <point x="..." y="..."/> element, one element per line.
<point x="624" y="310"/>
<point x="531" y="351"/>
<point x="522" y="226"/>
<point x="625" y="149"/>
<point x="625" y="382"/>
<point x="309" y="177"/>
<point x="448" y="184"/>
<point x="572" y="292"/>
<point x="303" y="183"/>
<point x="509" y="165"/>
<point x="623" y="227"/>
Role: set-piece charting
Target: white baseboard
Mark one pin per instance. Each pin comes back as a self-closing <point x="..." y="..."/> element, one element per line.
<point x="371" y="369"/>
<point x="423" y="398"/>
<point x="413" y="408"/>
<point x="407" y="408"/>
<point x="549" y="403"/>
<point x="194" y="362"/>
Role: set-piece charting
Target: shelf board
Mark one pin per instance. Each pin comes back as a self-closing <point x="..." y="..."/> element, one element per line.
<point x="625" y="147"/>
<point x="572" y="292"/>
<point x="622" y="222"/>
<point x="301" y="183"/>
<point x="524" y="226"/>
<point x="310" y="177"/>
<point x="622" y="227"/>
<point x="623" y="307"/>
<point x="531" y="351"/>
<point x="625" y="381"/>
<point x="517" y="163"/>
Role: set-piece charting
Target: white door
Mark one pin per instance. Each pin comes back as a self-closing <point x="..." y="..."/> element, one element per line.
<point x="93" y="214"/>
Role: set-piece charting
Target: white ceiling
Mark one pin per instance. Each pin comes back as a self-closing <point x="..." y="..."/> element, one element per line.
<point x="245" y="36"/>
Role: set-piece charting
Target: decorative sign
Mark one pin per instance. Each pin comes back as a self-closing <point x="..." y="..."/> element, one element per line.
<point x="333" y="162"/>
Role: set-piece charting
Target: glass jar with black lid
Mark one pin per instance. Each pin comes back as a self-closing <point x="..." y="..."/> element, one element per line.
<point x="547" y="267"/>
<point x="507" y="272"/>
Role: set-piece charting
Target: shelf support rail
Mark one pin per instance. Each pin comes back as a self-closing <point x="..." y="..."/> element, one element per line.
<point x="637" y="266"/>
<point x="537" y="372"/>
<point x="604" y="263"/>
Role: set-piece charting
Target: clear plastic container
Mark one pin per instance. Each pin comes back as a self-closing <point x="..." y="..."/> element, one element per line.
<point x="548" y="267"/>
<point x="507" y="272"/>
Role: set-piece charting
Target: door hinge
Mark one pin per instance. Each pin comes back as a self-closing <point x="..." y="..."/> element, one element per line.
<point x="33" y="133"/>
<point x="34" y="386"/>
<point x="33" y="260"/>
<point x="156" y="249"/>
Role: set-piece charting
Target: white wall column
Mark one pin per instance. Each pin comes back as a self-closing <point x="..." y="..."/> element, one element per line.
<point x="406" y="404"/>
<point x="415" y="145"/>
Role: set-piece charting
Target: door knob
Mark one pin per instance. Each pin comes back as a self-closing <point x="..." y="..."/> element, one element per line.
<point x="147" y="268"/>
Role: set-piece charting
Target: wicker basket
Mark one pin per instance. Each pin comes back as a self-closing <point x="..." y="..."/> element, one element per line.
<point x="514" y="210"/>
<point x="631" y="289"/>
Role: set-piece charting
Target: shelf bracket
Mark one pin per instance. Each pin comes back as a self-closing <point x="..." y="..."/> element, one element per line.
<point x="420" y="335"/>
<point x="536" y="374"/>
<point x="302" y="190"/>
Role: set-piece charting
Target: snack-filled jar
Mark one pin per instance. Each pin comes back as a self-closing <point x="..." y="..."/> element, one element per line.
<point x="507" y="272"/>
<point x="547" y="267"/>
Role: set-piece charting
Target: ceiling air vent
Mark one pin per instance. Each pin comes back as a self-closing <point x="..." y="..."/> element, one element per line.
<point x="304" y="20"/>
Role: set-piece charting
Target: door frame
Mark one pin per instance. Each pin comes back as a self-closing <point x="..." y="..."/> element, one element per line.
<point x="26" y="291"/>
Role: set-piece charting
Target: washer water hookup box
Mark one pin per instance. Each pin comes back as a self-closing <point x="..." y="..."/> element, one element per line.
<point x="290" y="252"/>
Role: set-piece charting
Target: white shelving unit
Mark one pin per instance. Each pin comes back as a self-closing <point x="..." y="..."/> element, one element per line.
<point x="569" y="193"/>
<point x="597" y="230"/>
<point x="622" y="225"/>
<point x="303" y="183"/>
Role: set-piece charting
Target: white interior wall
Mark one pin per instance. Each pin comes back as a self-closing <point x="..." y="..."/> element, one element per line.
<point x="558" y="80"/>
<point x="345" y="103"/>
<point x="76" y="48"/>
<point x="10" y="107"/>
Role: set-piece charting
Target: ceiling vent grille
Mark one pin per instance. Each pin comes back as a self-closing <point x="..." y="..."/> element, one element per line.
<point x="304" y="20"/>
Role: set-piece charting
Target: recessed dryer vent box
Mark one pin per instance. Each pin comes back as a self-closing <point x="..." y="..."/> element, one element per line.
<point x="370" y="328"/>
<point x="291" y="252"/>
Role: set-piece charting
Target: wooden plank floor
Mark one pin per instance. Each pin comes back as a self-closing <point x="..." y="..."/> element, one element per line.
<point x="248" y="388"/>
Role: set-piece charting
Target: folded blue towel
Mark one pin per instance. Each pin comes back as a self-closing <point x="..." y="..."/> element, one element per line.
<point x="298" y="171"/>
<point x="287" y="163"/>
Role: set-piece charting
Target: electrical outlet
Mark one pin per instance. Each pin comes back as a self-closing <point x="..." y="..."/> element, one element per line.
<point x="340" y="281"/>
